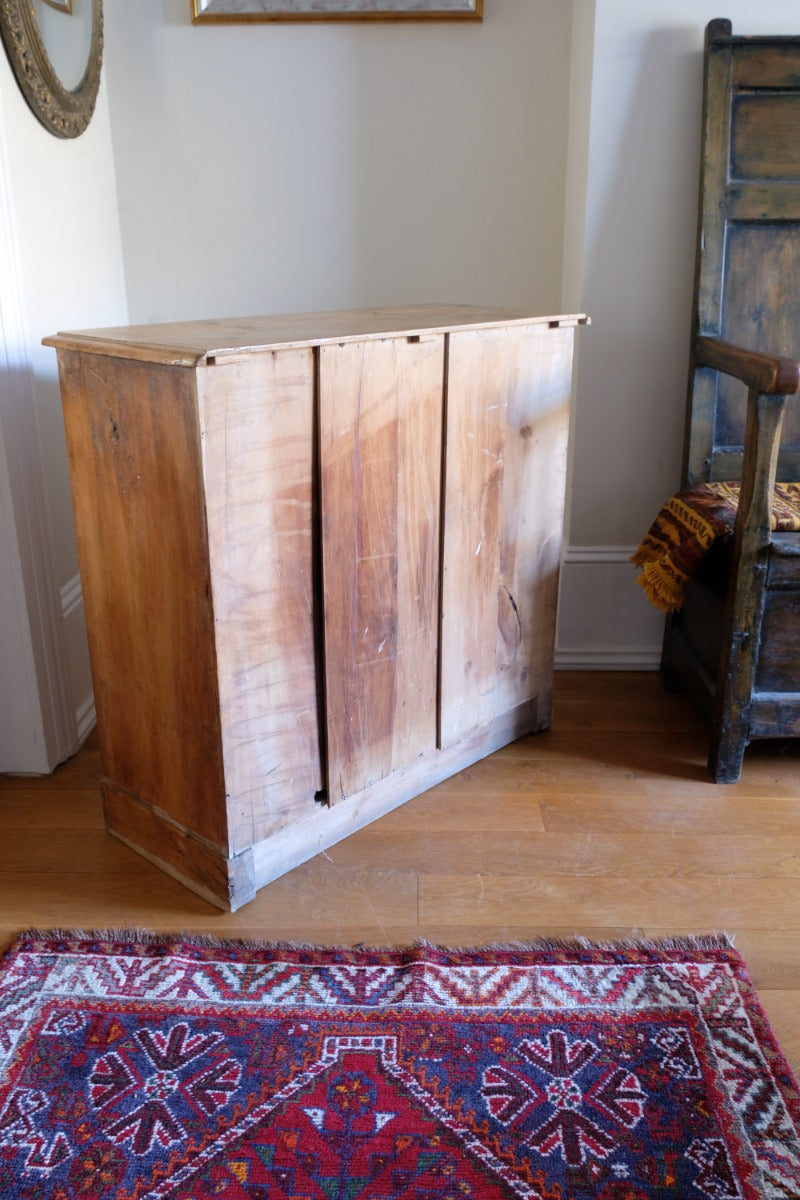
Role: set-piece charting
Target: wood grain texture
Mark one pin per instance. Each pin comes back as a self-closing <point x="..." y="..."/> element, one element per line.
<point x="189" y="342"/>
<point x="741" y="631"/>
<point x="742" y="419"/>
<point x="134" y="454"/>
<point x="228" y="881"/>
<point x="380" y="464"/>
<point x="765" y="137"/>
<point x="331" y="822"/>
<point x="507" y="420"/>
<point x="605" y="826"/>
<point x="769" y="63"/>
<point x="265" y="567"/>
<point x="761" y="312"/>
<point x="257" y="423"/>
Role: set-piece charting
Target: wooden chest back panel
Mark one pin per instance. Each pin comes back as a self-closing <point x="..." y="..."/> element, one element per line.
<point x="507" y="403"/>
<point x="380" y="461"/>
<point x="257" y="421"/>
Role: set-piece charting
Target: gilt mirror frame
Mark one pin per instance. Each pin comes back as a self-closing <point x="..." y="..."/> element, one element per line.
<point x="65" y="112"/>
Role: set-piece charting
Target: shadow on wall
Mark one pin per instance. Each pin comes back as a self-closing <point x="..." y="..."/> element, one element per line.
<point x="640" y="246"/>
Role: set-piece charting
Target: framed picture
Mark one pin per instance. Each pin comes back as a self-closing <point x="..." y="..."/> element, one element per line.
<point x="336" y="10"/>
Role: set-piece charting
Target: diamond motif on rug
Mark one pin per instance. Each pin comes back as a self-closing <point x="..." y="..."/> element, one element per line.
<point x="165" y="1069"/>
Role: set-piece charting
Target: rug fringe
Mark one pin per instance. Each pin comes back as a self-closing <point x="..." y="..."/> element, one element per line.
<point x="138" y="936"/>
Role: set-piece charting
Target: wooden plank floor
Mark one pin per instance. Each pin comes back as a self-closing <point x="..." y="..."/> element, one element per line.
<point x="605" y="826"/>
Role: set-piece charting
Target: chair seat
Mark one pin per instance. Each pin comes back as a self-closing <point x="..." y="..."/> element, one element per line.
<point x="686" y="527"/>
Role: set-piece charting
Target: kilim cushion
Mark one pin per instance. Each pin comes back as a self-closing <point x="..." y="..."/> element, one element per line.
<point x="685" y="528"/>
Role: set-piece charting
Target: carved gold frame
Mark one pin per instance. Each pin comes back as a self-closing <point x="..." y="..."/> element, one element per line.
<point x="65" y="113"/>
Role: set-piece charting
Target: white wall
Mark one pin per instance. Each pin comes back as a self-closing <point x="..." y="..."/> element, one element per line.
<point x="60" y="267"/>
<point x="234" y="169"/>
<point x="546" y="157"/>
<point x="284" y="167"/>
<point x="641" y="205"/>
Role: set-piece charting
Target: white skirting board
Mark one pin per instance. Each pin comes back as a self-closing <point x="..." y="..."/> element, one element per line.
<point x="605" y="622"/>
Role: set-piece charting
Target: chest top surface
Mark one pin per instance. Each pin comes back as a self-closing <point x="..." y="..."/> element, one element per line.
<point x="188" y="343"/>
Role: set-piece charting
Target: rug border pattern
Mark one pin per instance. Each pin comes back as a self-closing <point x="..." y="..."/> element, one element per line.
<point x="704" y="973"/>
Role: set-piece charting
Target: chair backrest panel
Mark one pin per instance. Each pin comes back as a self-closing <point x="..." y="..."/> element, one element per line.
<point x="760" y="310"/>
<point x="748" y="260"/>
<point x="760" y="62"/>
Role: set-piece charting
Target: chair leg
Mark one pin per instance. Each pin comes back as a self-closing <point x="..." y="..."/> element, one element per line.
<point x="669" y="677"/>
<point x="726" y="752"/>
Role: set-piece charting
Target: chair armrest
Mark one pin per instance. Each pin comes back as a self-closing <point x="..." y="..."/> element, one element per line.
<point x="766" y="373"/>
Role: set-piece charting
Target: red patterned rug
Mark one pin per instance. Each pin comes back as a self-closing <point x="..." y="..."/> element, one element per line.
<point x="162" y="1068"/>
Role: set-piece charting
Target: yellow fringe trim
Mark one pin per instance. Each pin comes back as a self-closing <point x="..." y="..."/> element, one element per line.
<point x="662" y="592"/>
